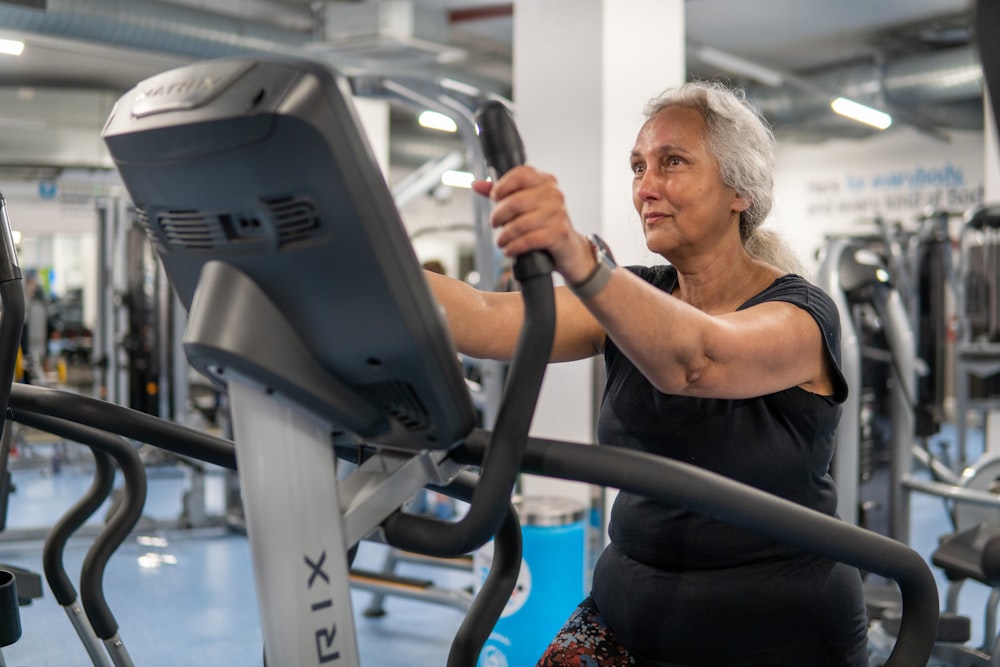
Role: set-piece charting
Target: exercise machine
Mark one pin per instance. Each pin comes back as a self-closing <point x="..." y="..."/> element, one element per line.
<point x="304" y="298"/>
<point x="973" y="550"/>
<point x="244" y="237"/>
<point x="852" y="274"/>
<point x="12" y="314"/>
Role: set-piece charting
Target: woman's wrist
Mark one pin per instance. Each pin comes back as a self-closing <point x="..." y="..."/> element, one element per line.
<point x="600" y="275"/>
<point x="584" y="267"/>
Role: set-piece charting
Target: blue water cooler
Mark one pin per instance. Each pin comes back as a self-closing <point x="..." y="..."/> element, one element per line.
<point x="549" y="586"/>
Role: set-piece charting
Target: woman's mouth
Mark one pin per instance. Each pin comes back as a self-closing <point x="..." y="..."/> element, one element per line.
<point x="650" y="219"/>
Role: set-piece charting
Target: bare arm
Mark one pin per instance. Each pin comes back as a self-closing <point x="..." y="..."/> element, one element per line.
<point x="677" y="347"/>
<point x="682" y="350"/>
<point x="486" y="325"/>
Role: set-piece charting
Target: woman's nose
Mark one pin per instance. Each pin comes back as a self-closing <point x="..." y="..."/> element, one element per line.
<point x="646" y="187"/>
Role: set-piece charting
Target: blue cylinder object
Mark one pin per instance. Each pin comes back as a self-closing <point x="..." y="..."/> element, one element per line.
<point x="549" y="586"/>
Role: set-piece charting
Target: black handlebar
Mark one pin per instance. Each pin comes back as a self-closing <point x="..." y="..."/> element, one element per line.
<point x="726" y="500"/>
<point x="125" y="422"/>
<point x="496" y="589"/>
<point x="55" y="544"/>
<point x="11" y="312"/>
<point x="504" y="150"/>
<point x="498" y="135"/>
<point x="118" y="526"/>
<point x="501" y="464"/>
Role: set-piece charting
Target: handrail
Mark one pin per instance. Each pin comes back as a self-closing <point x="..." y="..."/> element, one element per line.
<point x="724" y="499"/>
<point x="503" y="149"/>
<point x="74" y="518"/>
<point x="496" y="589"/>
<point x="118" y="526"/>
<point x="55" y="547"/>
<point x="125" y="422"/>
<point x="951" y="492"/>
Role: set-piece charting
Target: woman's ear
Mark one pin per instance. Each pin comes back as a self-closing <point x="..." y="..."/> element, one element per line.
<point x="740" y="203"/>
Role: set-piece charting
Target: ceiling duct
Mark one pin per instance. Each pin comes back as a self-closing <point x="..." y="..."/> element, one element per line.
<point x="943" y="88"/>
<point x="153" y="26"/>
<point x="394" y="34"/>
<point x="373" y="35"/>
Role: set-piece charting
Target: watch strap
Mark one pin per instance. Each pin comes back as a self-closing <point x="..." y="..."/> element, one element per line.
<point x="593" y="283"/>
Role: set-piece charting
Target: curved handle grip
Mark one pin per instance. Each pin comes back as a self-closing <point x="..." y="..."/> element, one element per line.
<point x="504" y="150"/>
<point x="501" y="463"/>
<point x="501" y="142"/>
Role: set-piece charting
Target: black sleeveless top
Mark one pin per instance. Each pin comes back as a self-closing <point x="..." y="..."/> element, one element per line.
<point x="670" y="577"/>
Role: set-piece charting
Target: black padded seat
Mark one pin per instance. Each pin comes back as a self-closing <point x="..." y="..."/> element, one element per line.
<point x="971" y="554"/>
<point x="952" y="628"/>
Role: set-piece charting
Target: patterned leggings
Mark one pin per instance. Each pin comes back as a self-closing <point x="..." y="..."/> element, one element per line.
<point x="586" y="641"/>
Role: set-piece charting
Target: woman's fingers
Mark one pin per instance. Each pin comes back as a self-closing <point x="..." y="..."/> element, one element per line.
<point x="482" y="187"/>
<point x="530" y="213"/>
<point x="539" y="226"/>
<point x="522" y="177"/>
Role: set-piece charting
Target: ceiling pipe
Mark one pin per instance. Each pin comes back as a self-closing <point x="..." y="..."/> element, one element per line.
<point x="154" y="26"/>
<point x="163" y="27"/>
<point x="947" y="78"/>
<point x="936" y="78"/>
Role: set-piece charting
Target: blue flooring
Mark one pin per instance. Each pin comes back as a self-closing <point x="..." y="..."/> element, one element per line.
<point x="186" y="597"/>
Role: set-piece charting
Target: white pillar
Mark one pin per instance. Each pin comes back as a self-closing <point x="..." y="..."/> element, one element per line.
<point x="583" y="69"/>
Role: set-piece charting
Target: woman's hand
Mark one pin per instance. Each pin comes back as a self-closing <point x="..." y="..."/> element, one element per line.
<point x="530" y="213"/>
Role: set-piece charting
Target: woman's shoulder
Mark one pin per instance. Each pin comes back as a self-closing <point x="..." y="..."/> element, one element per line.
<point x="663" y="276"/>
<point x="793" y="287"/>
<point x="798" y="291"/>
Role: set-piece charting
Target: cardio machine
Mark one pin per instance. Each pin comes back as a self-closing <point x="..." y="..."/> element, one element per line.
<point x="276" y="229"/>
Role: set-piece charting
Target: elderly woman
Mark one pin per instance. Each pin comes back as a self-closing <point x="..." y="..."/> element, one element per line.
<point x="724" y="359"/>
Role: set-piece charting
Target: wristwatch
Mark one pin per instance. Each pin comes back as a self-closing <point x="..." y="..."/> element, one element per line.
<point x="601" y="274"/>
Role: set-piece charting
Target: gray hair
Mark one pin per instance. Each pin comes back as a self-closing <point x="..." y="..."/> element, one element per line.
<point x="743" y="144"/>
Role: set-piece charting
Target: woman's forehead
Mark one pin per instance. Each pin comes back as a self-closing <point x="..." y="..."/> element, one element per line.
<point x="673" y="125"/>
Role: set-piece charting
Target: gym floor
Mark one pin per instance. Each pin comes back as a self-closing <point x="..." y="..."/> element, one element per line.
<point x="185" y="597"/>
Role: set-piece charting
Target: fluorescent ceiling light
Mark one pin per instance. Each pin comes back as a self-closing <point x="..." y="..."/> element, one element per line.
<point x="460" y="87"/>
<point x="437" y="121"/>
<point x="457" y="179"/>
<point x="861" y="113"/>
<point x="11" y="47"/>
<point x="736" y="65"/>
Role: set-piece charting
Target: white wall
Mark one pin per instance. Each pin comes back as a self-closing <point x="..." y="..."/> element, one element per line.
<point x="841" y="186"/>
<point x="582" y="73"/>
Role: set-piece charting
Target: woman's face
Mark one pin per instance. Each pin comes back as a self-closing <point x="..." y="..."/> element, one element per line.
<point x="676" y="187"/>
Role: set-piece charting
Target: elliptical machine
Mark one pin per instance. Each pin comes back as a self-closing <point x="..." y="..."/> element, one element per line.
<point x="304" y="297"/>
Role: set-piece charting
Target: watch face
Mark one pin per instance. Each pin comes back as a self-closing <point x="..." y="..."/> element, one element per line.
<point x="603" y="251"/>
